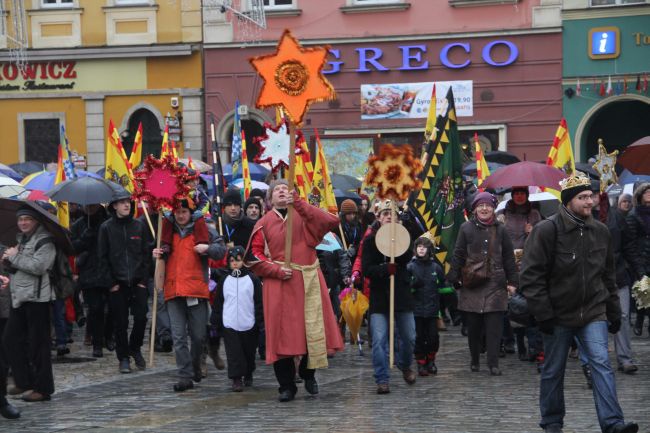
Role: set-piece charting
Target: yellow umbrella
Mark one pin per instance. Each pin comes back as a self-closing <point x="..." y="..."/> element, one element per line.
<point x="353" y="307"/>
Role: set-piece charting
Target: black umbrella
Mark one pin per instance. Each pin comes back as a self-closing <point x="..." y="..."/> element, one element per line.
<point x="588" y="169"/>
<point x="84" y="191"/>
<point x="470" y="169"/>
<point x="29" y="167"/>
<point x="9" y="228"/>
<point x="341" y="195"/>
<point x="501" y="157"/>
<point x="345" y="182"/>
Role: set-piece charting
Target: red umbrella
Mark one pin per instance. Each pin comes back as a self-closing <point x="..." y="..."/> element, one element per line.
<point x="525" y="173"/>
<point x="636" y="157"/>
<point x="36" y="194"/>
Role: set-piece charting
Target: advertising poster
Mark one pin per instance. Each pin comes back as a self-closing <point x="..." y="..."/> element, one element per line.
<point x="347" y="155"/>
<point x="411" y="100"/>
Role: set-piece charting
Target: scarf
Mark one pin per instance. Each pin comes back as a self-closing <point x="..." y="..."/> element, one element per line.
<point x="573" y="217"/>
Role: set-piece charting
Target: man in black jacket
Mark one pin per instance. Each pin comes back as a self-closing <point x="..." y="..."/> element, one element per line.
<point x="237" y="227"/>
<point x="378" y="269"/>
<point x="638" y="221"/>
<point x="569" y="280"/>
<point x="124" y="249"/>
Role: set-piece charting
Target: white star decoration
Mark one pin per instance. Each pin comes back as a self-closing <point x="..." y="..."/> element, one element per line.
<point x="605" y="166"/>
<point x="274" y="145"/>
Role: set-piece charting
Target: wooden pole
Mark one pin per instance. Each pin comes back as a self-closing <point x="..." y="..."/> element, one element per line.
<point x="146" y="216"/>
<point x="391" y="321"/>
<point x="292" y="170"/>
<point x="158" y="279"/>
<point x="345" y="245"/>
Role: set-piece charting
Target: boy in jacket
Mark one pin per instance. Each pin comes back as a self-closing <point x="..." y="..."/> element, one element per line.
<point x="124" y="250"/>
<point x="427" y="277"/>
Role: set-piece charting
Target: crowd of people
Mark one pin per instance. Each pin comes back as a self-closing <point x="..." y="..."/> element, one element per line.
<point x="228" y="278"/>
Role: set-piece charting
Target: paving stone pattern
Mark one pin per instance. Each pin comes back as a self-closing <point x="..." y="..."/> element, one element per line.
<point x="93" y="396"/>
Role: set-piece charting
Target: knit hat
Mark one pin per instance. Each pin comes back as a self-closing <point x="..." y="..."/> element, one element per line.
<point x="251" y="200"/>
<point x="484" y="197"/>
<point x="232" y="196"/>
<point x="187" y="203"/>
<point x="623" y="197"/>
<point x="521" y="189"/>
<point x="27" y="211"/>
<point x="573" y="185"/>
<point x="256" y="192"/>
<point x="348" y="206"/>
<point x="235" y="252"/>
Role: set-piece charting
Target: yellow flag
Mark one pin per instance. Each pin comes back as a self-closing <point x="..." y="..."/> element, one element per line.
<point x="63" y="210"/>
<point x="482" y="170"/>
<point x="117" y="165"/>
<point x="430" y="128"/>
<point x="304" y="171"/>
<point x="135" y="159"/>
<point x="322" y="182"/>
<point x="246" y="174"/>
<point x="561" y="154"/>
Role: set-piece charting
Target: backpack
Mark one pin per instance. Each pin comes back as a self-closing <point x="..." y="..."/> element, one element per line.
<point x="60" y="274"/>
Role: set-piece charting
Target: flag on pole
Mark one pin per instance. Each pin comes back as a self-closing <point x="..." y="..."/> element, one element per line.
<point x="578" y="88"/>
<point x="609" y="89"/>
<point x="235" y="154"/>
<point x="68" y="165"/>
<point x="430" y="128"/>
<point x="190" y="163"/>
<point x="304" y="170"/>
<point x="117" y="165"/>
<point x="602" y="91"/>
<point x="482" y="170"/>
<point x="246" y="174"/>
<point x="561" y="153"/>
<point x="135" y="159"/>
<point x="638" y="83"/>
<point x="62" y="208"/>
<point x="322" y="182"/>
<point x="164" y="147"/>
<point x="438" y="205"/>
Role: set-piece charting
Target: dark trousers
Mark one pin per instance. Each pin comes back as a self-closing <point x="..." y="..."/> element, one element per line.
<point x="427" y="340"/>
<point x="127" y="298"/>
<point x="240" y="351"/>
<point x="3" y="367"/>
<point x="285" y="373"/>
<point x="99" y="324"/>
<point x="27" y="340"/>
<point x="490" y="325"/>
<point x="449" y="302"/>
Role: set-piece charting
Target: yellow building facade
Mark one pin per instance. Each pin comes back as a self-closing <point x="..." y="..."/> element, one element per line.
<point x="88" y="62"/>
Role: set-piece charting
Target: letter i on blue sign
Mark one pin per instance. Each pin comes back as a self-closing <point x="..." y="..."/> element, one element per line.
<point x="604" y="43"/>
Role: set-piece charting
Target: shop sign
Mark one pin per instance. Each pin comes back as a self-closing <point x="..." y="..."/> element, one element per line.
<point x="412" y="100"/>
<point x="369" y="58"/>
<point x="38" y="76"/>
<point x="604" y="43"/>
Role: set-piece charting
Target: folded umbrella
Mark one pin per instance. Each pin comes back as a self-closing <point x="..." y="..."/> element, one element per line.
<point x="84" y="191"/>
<point x="352" y="309"/>
<point x="525" y="173"/>
<point x="9" y="228"/>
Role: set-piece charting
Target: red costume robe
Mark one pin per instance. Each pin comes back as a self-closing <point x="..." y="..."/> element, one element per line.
<point x="284" y="300"/>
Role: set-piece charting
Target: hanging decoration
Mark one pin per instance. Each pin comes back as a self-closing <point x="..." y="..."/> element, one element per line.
<point x="293" y="77"/>
<point x="394" y="172"/>
<point x="274" y="145"/>
<point x="605" y="163"/>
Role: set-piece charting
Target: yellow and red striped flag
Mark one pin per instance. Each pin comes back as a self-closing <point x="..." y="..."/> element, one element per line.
<point x="304" y="170"/>
<point x="62" y="208"/>
<point x="135" y="159"/>
<point x="118" y="169"/>
<point x="246" y="174"/>
<point x="482" y="170"/>
<point x="322" y="181"/>
<point x="561" y="153"/>
<point x="164" y="147"/>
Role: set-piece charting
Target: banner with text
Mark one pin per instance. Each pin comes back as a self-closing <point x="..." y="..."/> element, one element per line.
<point x="411" y="100"/>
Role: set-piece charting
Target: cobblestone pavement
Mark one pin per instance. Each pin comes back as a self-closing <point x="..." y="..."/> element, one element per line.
<point x="94" y="396"/>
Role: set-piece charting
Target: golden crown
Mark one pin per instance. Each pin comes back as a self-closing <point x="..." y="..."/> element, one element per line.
<point x="578" y="178"/>
<point x="429" y="236"/>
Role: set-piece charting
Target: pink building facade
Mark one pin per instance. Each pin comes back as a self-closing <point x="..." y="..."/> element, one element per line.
<point x="503" y="59"/>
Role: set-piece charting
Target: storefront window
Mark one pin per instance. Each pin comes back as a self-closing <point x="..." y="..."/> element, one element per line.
<point x="41" y="139"/>
<point x="614" y="2"/>
<point x="279" y="4"/>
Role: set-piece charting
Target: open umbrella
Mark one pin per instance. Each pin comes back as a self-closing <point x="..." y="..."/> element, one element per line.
<point x="525" y="173"/>
<point x="9" y="228"/>
<point x="44" y="180"/>
<point x="10" y="172"/>
<point x="257" y="171"/>
<point x="501" y="157"/>
<point x="239" y="183"/>
<point x="470" y="169"/>
<point x="345" y="182"/>
<point x="636" y="157"/>
<point x="547" y="202"/>
<point x="589" y="169"/>
<point x="627" y="177"/>
<point x="199" y="165"/>
<point x="9" y="187"/>
<point x="28" y="167"/>
<point x="84" y="191"/>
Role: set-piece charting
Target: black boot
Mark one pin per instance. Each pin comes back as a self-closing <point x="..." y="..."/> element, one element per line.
<point x="587" y="372"/>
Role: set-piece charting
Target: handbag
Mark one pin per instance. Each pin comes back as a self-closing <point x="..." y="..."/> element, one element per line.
<point x="518" y="309"/>
<point x="476" y="272"/>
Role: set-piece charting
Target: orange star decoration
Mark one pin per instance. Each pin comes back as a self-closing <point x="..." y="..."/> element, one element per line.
<point x="394" y="172"/>
<point x="293" y="77"/>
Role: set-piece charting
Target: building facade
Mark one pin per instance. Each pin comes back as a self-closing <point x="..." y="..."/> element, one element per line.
<point x="503" y="58"/>
<point x="606" y="68"/>
<point x="92" y="61"/>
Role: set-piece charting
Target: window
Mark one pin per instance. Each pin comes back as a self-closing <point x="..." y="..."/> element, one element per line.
<point x="279" y="4"/>
<point x="132" y="2"/>
<point x="41" y="139"/>
<point x="371" y="2"/>
<point x="614" y="2"/>
<point x="57" y="3"/>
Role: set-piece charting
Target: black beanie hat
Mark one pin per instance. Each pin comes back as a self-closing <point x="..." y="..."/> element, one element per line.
<point x="573" y="185"/>
<point x="568" y="194"/>
<point x="256" y="192"/>
<point x="232" y="196"/>
<point x="251" y="200"/>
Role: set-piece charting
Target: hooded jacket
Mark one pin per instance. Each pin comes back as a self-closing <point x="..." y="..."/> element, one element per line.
<point x="85" y="232"/>
<point x="427" y="277"/>
<point x="124" y="247"/>
<point x="640" y="229"/>
<point x="567" y="272"/>
<point x="516" y="218"/>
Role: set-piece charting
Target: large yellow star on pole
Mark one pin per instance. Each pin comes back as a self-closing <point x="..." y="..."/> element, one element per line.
<point x="293" y="77"/>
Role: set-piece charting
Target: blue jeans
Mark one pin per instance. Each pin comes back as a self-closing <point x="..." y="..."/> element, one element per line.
<point x="379" y="328"/>
<point x="593" y="342"/>
<point x="58" y="318"/>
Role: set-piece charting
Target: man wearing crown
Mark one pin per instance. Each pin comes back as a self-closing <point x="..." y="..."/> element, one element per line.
<point x="569" y="280"/>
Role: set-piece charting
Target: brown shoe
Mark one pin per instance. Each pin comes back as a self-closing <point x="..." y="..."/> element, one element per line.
<point x="213" y="351"/>
<point x="14" y="390"/>
<point x="382" y="388"/>
<point x="409" y="376"/>
<point x="35" y="396"/>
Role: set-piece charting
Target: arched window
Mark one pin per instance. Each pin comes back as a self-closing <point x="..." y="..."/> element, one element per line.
<point x="151" y="136"/>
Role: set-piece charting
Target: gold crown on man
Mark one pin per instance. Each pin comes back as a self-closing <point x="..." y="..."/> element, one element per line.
<point x="578" y="178"/>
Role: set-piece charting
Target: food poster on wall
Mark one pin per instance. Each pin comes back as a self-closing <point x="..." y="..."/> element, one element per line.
<point x="411" y="100"/>
<point x="347" y="155"/>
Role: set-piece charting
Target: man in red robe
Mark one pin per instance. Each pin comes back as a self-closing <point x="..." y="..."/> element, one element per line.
<point x="297" y="310"/>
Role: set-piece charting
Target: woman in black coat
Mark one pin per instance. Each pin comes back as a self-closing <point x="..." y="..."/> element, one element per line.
<point x="484" y="240"/>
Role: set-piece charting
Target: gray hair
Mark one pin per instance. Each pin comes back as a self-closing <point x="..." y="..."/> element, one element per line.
<point x="273" y="185"/>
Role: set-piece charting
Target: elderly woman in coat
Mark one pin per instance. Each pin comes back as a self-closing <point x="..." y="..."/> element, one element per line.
<point x="483" y="241"/>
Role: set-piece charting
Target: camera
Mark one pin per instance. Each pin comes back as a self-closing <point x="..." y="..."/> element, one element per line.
<point x="174" y="102"/>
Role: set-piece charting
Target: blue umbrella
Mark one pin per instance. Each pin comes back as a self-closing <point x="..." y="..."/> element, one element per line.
<point x="329" y="243"/>
<point x="628" y="177"/>
<point x="258" y="172"/>
<point x="27" y="167"/>
<point x="44" y="181"/>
